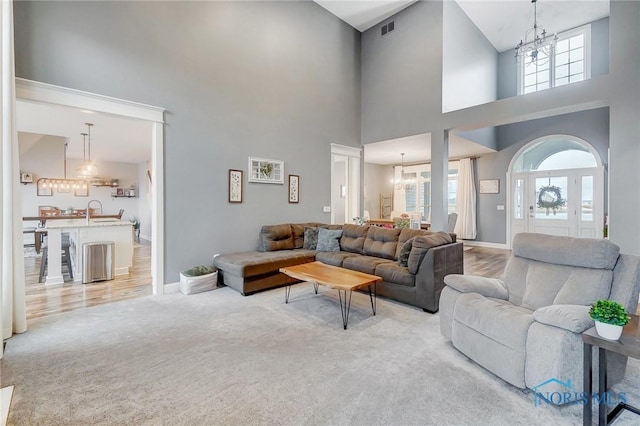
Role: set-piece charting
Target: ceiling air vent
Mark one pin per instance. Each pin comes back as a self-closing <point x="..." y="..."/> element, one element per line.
<point x="387" y="28"/>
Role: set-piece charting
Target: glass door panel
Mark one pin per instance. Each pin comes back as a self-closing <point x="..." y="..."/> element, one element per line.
<point x="586" y="204"/>
<point x="518" y="198"/>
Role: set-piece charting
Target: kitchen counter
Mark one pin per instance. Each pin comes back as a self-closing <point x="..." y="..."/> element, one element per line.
<point x="82" y="223"/>
<point x="97" y="230"/>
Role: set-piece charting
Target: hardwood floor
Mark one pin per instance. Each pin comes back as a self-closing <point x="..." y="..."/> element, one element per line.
<point x="486" y="262"/>
<point x="44" y="300"/>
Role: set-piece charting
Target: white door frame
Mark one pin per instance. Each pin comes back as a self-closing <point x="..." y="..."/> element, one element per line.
<point x="510" y="173"/>
<point x="34" y="91"/>
<point x="353" y="184"/>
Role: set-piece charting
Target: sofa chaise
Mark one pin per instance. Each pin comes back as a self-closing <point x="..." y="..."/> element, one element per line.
<point x="527" y="327"/>
<point x="430" y="256"/>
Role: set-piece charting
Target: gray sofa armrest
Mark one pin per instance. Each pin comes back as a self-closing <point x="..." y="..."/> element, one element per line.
<point x="437" y="263"/>
<point x="574" y="318"/>
<point x="488" y="287"/>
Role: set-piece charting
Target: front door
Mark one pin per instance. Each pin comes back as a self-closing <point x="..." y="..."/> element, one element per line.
<point x="561" y="202"/>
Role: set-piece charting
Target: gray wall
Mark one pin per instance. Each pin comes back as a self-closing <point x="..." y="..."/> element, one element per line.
<point x="507" y="68"/>
<point x="267" y="79"/>
<point x="469" y="63"/>
<point x="592" y="126"/>
<point x="402" y="74"/>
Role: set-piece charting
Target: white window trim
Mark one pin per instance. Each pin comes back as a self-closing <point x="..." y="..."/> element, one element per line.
<point x="584" y="29"/>
<point x="419" y="168"/>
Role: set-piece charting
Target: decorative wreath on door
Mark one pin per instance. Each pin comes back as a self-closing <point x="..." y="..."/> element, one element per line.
<point x="550" y="198"/>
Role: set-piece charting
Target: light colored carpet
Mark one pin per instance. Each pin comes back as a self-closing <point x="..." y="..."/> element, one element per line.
<point x="220" y="358"/>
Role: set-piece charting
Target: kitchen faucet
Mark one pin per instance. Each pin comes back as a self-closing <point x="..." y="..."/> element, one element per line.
<point x="88" y="205"/>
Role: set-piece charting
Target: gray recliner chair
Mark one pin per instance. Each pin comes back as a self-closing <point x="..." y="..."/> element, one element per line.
<point x="527" y="327"/>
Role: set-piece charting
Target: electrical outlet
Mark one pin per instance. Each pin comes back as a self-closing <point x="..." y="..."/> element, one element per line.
<point x="326" y="209"/>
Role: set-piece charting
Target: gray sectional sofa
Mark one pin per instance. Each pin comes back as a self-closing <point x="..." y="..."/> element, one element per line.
<point x="430" y="256"/>
<point x="527" y="327"/>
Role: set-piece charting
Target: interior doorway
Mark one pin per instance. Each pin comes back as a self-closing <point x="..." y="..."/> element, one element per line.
<point x="345" y="183"/>
<point x="31" y="91"/>
<point x="556" y="187"/>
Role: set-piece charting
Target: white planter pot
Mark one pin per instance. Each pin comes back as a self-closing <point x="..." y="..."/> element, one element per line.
<point x="197" y="284"/>
<point x="608" y="331"/>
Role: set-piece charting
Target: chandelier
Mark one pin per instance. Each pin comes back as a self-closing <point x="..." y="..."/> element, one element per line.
<point x="64" y="184"/>
<point x="402" y="182"/>
<point x="536" y="46"/>
<point x="88" y="169"/>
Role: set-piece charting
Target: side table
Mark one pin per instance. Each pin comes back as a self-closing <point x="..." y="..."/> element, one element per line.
<point x="629" y="345"/>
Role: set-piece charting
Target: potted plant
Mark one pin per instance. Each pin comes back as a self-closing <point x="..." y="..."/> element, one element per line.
<point x="610" y="317"/>
<point x="136" y="227"/>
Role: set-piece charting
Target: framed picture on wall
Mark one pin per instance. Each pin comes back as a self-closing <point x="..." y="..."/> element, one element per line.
<point x="26" y="177"/>
<point x="294" y="188"/>
<point x="235" y="186"/>
<point x="263" y="170"/>
<point x="489" y="186"/>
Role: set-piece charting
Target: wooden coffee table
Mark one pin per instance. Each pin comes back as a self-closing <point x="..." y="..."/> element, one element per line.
<point x="343" y="280"/>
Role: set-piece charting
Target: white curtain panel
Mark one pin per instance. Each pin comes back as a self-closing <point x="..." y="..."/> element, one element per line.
<point x="12" y="295"/>
<point x="466" y="228"/>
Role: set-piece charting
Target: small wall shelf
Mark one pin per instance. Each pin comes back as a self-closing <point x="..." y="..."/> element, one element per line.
<point x="123" y="193"/>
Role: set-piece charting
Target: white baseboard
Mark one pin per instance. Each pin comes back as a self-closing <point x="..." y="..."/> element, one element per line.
<point x="171" y="288"/>
<point x="472" y="243"/>
<point x="5" y="402"/>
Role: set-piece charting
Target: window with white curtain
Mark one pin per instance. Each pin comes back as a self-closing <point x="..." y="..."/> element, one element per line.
<point x="417" y="195"/>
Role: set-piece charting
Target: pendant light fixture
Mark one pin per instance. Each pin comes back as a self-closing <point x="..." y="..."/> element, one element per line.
<point x="88" y="169"/>
<point x="536" y="48"/>
<point x="64" y="184"/>
<point x="402" y="182"/>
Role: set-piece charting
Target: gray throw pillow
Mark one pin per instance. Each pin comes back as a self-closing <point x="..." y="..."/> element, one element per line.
<point x="310" y="238"/>
<point x="329" y="239"/>
<point x="403" y="256"/>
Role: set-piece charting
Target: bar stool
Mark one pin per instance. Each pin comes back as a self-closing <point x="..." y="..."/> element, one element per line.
<point x="66" y="257"/>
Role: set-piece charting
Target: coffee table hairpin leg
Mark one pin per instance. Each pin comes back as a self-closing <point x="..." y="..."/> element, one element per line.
<point x="373" y="298"/>
<point x="345" y="306"/>
<point x="287" y="291"/>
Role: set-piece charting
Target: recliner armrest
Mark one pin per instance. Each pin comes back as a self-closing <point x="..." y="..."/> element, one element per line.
<point x="574" y="318"/>
<point x="488" y="287"/>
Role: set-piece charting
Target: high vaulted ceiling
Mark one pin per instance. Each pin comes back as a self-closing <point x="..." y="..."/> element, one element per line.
<point x="503" y="22"/>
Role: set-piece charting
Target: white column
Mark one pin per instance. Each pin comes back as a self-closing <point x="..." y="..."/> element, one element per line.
<point x="439" y="179"/>
<point x="54" y="257"/>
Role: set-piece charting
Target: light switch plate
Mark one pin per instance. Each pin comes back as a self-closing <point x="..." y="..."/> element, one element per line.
<point x="500" y="206"/>
<point x="326" y="209"/>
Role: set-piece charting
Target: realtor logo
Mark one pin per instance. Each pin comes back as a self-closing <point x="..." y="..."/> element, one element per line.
<point x="568" y="395"/>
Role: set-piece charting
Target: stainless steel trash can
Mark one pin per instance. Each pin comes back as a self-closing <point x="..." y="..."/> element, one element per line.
<point x="98" y="261"/>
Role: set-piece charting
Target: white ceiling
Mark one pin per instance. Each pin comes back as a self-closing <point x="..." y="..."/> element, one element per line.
<point x="112" y="138"/>
<point x="503" y="22"/>
<point x="417" y="149"/>
<point x="364" y="14"/>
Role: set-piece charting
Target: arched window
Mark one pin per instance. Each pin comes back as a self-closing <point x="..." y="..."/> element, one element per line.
<point x="555" y="153"/>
